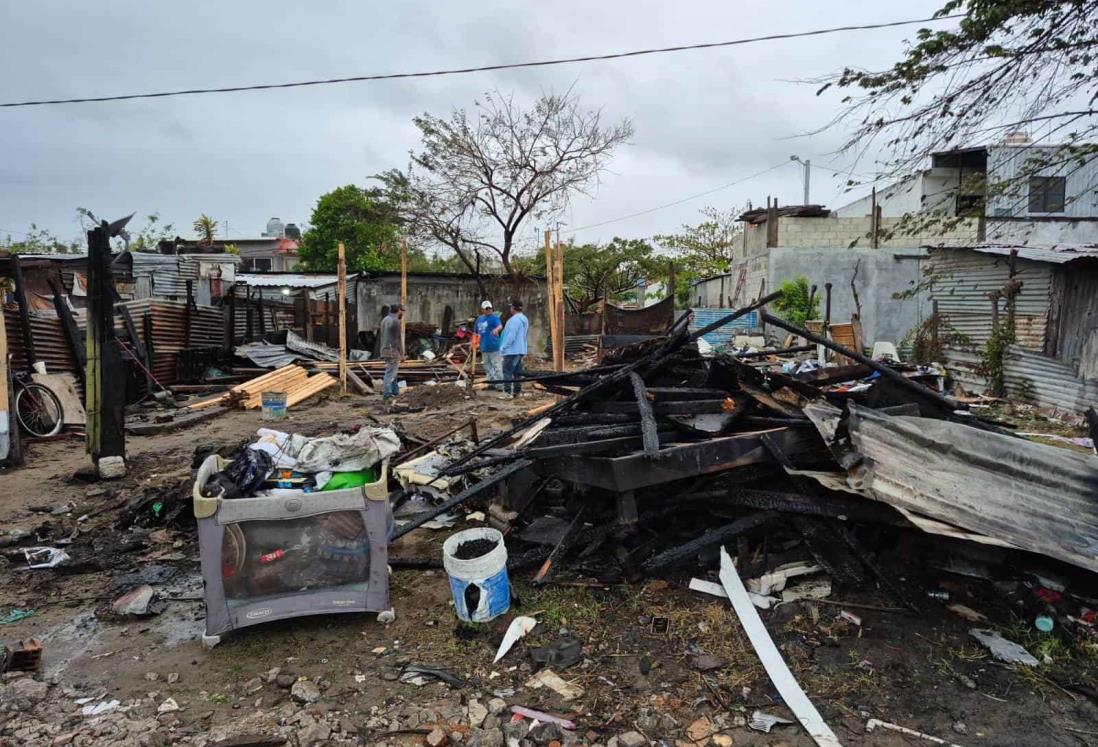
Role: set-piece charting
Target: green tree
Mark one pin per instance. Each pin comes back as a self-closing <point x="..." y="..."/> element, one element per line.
<point x="39" y="241"/>
<point x="797" y="303"/>
<point x="367" y="224"/>
<point x="614" y="271"/>
<point x="707" y="248"/>
<point x="206" y="229"/>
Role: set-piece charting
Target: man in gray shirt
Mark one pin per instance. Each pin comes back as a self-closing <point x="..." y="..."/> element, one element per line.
<point x="392" y="349"/>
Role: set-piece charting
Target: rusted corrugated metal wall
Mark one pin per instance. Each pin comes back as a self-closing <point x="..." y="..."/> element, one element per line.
<point x="50" y="344"/>
<point x="1077" y="333"/>
<point x="961" y="280"/>
<point x="1047" y="382"/>
<point x="168" y="328"/>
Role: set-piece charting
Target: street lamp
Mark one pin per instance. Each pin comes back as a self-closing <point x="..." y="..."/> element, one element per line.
<point x="807" y="170"/>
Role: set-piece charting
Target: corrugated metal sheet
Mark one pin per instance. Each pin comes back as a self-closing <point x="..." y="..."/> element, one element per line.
<point x="161" y="275"/>
<point x="961" y="280"/>
<point x="285" y="280"/>
<point x="722" y="336"/>
<point x="1036" y="497"/>
<point x="50" y="344"/>
<point x="1054" y="253"/>
<point x="1047" y="381"/>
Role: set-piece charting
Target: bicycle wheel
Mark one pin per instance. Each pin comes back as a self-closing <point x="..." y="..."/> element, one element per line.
<point x="38" y="410"/>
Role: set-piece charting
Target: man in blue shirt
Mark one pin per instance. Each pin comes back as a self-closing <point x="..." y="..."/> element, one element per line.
<point x="488" y="327"/>
<point x="513" y="347"/>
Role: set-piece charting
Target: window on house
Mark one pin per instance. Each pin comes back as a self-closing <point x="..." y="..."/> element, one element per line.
<point x="256" y="264"/>
<point x="1046" y="194"/>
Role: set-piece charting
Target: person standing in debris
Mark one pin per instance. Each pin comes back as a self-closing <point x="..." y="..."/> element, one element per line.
<point x="513" y="348"/>
<point x="392" y="349"/>
<point x="488" y="326"/>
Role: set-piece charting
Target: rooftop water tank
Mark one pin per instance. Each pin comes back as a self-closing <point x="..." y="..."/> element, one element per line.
<point x="276" y="228"/>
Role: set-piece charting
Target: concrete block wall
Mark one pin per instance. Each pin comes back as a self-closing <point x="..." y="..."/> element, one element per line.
<point x="839" y="233"/>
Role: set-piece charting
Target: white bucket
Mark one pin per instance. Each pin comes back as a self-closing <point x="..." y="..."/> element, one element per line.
<point x="480" y="583"/>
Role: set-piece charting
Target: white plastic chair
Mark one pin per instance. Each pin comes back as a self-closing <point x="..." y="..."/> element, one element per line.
<point x="884" y="349"/>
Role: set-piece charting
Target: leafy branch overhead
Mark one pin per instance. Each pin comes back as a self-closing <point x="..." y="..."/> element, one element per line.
<point x="1010" y="66"/>
<point x="479" y="178"/>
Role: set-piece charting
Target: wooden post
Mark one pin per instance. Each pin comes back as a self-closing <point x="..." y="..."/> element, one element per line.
<point x="874" y="237"/>
<point x="309" y="334"/>
<point x="671" y="287"/>
<point x="187" y="315"/>
<point x="342" y="290"/>
<point x="328" y="319"/>
<point x="230" y="338"/>
<point x="24" y="311"/>
<point x="551" y="294"/>
<point x="404" y="290"/>
<point x="68" y="325"/>
<point x="558" y="279"/>
<point x="7" y="432"/>
<point x="105" y="382"/>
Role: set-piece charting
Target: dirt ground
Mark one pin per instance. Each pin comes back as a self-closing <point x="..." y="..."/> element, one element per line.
<point x="921" y="671"/>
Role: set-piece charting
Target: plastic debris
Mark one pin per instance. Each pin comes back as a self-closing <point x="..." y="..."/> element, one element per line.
<point x="15" y="615"/>
<point x="1002" y="649"/>
<point x="764" y="722"/>
<point x="776" y="580"/>
<point x="552" y="680"/>
<point x="560" y="654"/>
<point x="44" y="557"/>
<point x="140" y="602"/>
<point x="545" y="718"/>
<point x="98" y="709"/>
<point x="419" y="675"/>
<point x="786" y="685"/>
<point x="874" y="724"/>
<point x="517" y="630"/>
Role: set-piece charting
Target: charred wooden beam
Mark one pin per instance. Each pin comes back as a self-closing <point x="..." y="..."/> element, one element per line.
<point x="24" y="311"/>
<point x="677" y="461"/>
<point x="471" y="492"/>
<point x="677" y="338"/>
<point x="717" y="536"/>
<point x="834" y="506"/>
<point x="552" y="563"/>
<point x="590" y="418"/>
<point x="680" y="394"/>
<point x="68" y="324"/>
<point x="685" y="407"/>
<point x="947" y="403"/>
<point x="649" y="433"/>
<point x="776" y="351"/>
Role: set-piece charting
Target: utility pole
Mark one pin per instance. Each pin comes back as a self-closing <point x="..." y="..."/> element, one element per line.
<point x="807" y="164"/>
<point x="341" y="279"/>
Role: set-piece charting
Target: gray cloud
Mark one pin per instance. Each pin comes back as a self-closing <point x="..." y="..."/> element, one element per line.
<point x="702" y="118"/>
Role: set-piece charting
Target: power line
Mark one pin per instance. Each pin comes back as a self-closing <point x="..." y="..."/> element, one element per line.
<point x="481" y="69"/>
<point x="681" y="201"/>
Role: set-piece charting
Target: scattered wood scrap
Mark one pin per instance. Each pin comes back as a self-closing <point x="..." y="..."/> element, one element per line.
<point x="293" y="380"/>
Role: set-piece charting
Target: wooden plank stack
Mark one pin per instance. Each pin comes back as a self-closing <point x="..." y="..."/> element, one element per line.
<point x="293" y="380"/>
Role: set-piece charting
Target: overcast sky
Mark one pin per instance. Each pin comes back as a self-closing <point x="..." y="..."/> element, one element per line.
<point x="702" y="118"/>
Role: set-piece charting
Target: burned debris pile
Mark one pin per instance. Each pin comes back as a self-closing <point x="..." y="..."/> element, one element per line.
<point x="659" y="456"/>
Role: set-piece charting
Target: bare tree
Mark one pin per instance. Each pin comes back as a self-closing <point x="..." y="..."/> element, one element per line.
<point x="1009" y="65"/>
<point x="478" y="179"/>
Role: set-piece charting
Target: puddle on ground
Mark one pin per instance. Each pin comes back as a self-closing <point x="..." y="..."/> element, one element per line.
<point x="63" y="643"/>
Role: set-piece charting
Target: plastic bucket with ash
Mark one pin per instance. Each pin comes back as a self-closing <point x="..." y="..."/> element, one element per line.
<point x="476" y="562"/>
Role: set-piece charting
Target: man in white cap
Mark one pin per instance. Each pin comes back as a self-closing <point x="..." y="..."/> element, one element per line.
<point x="487" y="328"/>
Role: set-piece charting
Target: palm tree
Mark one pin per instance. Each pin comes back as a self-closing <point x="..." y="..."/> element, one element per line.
<point x="205" y="227"/>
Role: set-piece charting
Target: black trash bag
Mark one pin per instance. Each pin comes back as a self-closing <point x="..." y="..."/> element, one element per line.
<point x="243" y="477"/>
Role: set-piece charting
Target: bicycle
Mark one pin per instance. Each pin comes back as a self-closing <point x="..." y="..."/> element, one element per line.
<point x="37" y="409"/>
